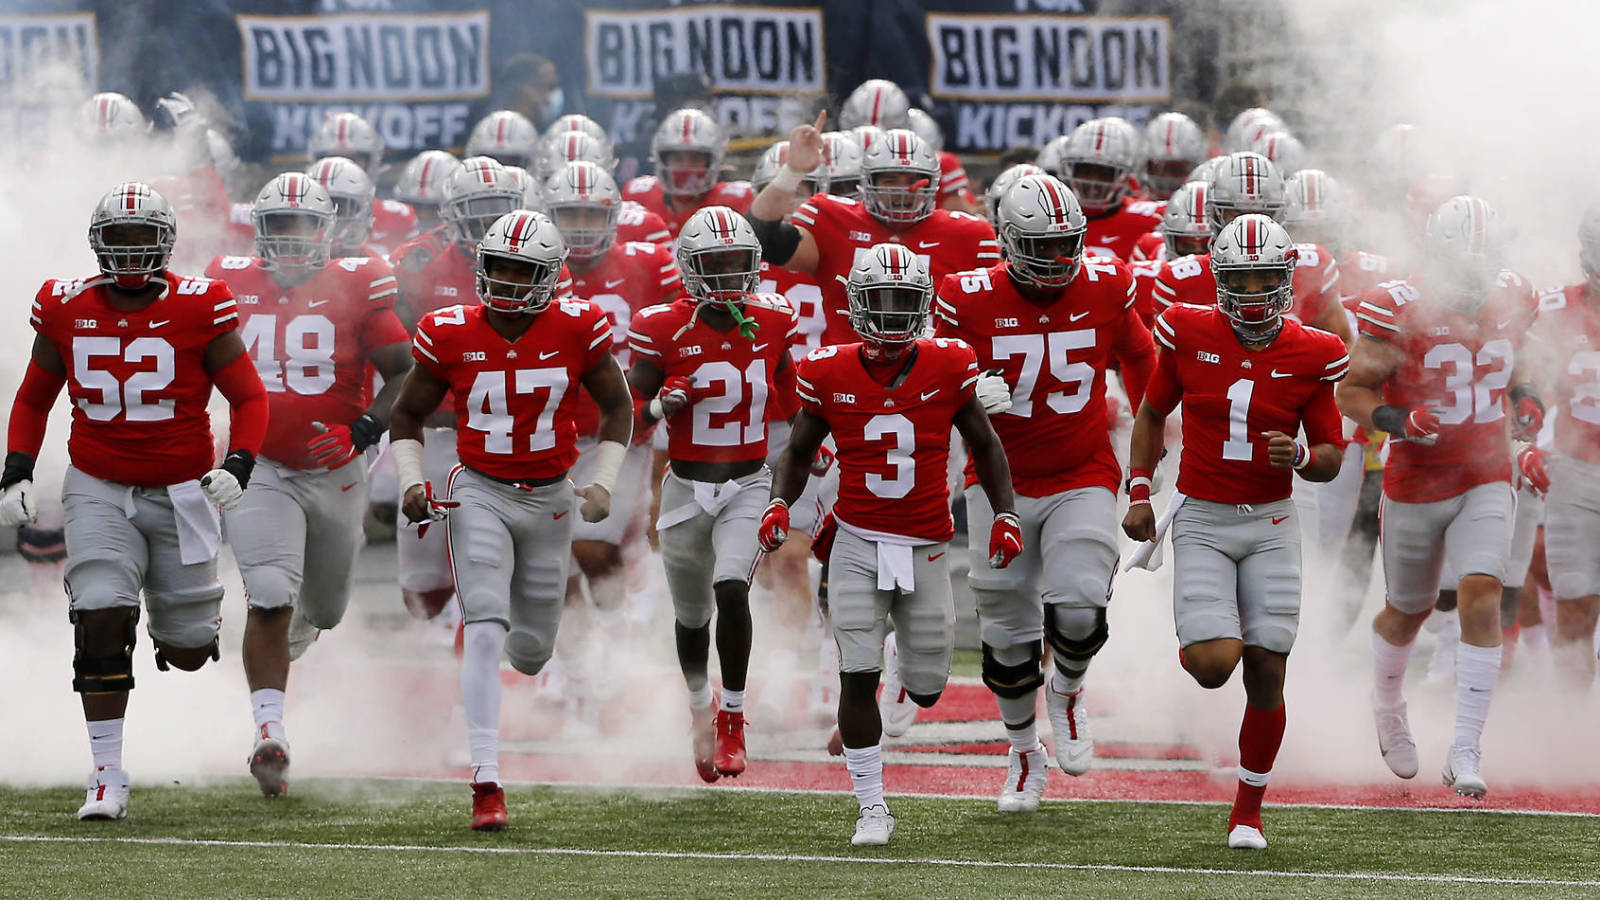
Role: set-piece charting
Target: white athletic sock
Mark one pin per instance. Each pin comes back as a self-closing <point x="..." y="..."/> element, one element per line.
<point x="732" y="701"/>
<point x="1062" y="684"/>
<point x="1024" y="739"/>
<point x="483" y="645"/>
<point x="866" y="773"/>
<point x="700" y="697"/>
<point x="1388" y="670"/>
<point x="1477" y="670"/>
<point x="105" y="743"/>
<point x="267" y="706"/>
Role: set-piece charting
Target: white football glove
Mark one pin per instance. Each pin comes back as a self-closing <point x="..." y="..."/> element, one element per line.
<point x="993" y="392"/>
<point x="17" y="505"/>
<point x="222" y="489"/>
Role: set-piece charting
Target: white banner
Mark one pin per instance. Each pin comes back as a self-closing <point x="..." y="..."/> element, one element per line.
<point x="366" y="57"/>
<point x="45" y="54"/>
<point x="1050" y="58"/>
<point x="744" y="49"/>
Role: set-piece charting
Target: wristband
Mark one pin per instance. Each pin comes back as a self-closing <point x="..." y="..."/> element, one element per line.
<point x="407" y="454"/>
<point x="239" y="464"/>
<point x="787" y="179"/>
<point x="19" y="467"/>
<point x="1302" y="456"/>
<point x="607" y="464"/>
<point x="365" y="431"/>
<point x="653" y="411"/>
<point x="1139" y="485"/>
<point x="1144" y="502"/>
<point x="1391" y="419"/>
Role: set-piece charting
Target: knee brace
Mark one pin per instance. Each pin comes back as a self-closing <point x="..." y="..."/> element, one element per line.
<point x="1076" y="634"/>
<point x="103" y="674"/>
<point x="1016" y="680"/>
<point x="1508" y="606"/>
<point x="924" y="700"/>
<point x="212" y="651"/>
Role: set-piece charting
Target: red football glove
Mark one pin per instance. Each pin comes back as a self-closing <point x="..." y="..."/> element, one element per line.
<point x="438" y="510"/>
<point x="1005" y="540"/>
<point x="1527" y="418"/>
<point x="774" y="525"/>
<point x="1533" y="464"/>
<point x="677" y="392"/>
<point x="336" y="445"/>
<point x="822" y="541"/>
<point x="822" y="462"/>
<point x="1422" y="426"/>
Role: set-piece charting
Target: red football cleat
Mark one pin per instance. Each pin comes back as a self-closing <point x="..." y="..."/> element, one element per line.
<point x="730" y="742"/>
<point x="488" y="807"/>
<point x="703" y="731"/>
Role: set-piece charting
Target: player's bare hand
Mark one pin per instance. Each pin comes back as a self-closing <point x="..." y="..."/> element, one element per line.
<point x="1140" y="522"/>
<point x="596" y="502"/>
<point x="1281" y="449"/>
<point x="805" y="145"/>
<point x="415" y="504"/>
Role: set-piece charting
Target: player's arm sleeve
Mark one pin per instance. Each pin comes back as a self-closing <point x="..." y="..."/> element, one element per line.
<point x="988" y="246"/>
<point x="968" y="361"/>
<point x="1323" y="422"/>
<point x="1376" y="316"/>
<point x="946" y="317"/>
<point x="671" y="278"/>
<point x="1137" y="353"/>
<point x="1163" y="391"/>
<point x="224" y="309"/>
<point x="780" y="239"/>
<point x="1165" y="292"/>
<point x="425" y="350"/>
<point x="30" y="413"/>
<point x="239" y="382"/>
<point x="805" y="387"/>
<point x="642" y="337"/>
<point x="600" y="339"/>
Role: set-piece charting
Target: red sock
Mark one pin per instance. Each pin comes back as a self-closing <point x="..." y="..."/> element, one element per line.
<point x="1260" y="736"/>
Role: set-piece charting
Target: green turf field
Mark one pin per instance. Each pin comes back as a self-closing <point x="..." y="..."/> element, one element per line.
<point x="409" y="839"/>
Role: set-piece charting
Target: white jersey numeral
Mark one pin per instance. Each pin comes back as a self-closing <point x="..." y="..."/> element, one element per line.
<point x="127" y="398"/>
<point x="729" y="383"/>
<point x="897" y="426"/>
<point x="1469" y="393"/>
<point x="1585" y="371"/>
<point x="1077" y="378"/>
<point x="489" y="409"/>
<point x="1238" y="446"/>
<point x="308" y="369"/>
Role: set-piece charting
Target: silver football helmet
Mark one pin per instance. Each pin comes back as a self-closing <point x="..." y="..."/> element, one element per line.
<point x="353" y="195"/>
<point x="145" y="230"/>
<point x="1173" y="146"/>
<point x="1253" y="259"/>
<point x="1463" y="252"/>
<point x="1042" y="228"/>
<point x="885" y="191"/>
<point x="1249" y="125"/>
<point x="1002" y="183"/>
<point x="577" y="122"/>
<point x="525" y="252"/>
<point x="476" y="196"/>
<point x="1317" y="211"/>
<point x="350" y="136"/>
<point x="109" y="116"/>
<point x="1246" y="183"/>
<point x="583" y="200"/>
<point x="1097" y="161"/>
<point x="843" y="158"/>
<point x="1049" y="158"/>
<point x="1184" y="225"/>
<point x="866" y="136"/>
<point x="293" y="218"/>
<point x="1589" y="248"/>
<point x="422" y="181"/>
<point x="879" y="102"/>
<point x="927" y="128"/>
<point x="889" y="292"/>
<point x="719" y="256"/>
<point x="692" y="133"/>
<point x="507" y="136"/>
<point x="1283" y="149"/>
<point x="577" y="146"/>
<point x="1209" y="170"/>
<point x="529" y="185"/>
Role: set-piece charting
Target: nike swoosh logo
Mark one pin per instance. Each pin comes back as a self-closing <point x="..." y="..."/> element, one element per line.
<point x="561" y="515"/>
<point x="930" y="393"/>
<point x="924" y="245"/>
<point x="612" y="284"/>
<point x="1277" y="374"/>
<point x="758" y="348"/>
<point x="545" y="356"/>
<point x="160" y="323"/>
<point x="934" y="557"/>
<point x="313" y="304"/>
<point x="1076" y="316"/>
<point x="1279" y="520"/>
<point x="1503" y="324"/>
<point x="349" y="486"/>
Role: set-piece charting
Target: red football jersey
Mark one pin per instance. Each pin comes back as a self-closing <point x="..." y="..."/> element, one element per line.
<point x="805" y="296"/>
<point x="635" y="223"/>
<point x="953" y="179"/>
<point x="735" y="380"/>
<point x="629" y="278"/>
<point x="393" y="223"/>
<point x="1569" y="326"/>
<point x="1116" y="232"/>
<point x="311" y="343"/>
<point x="1054" y="357"/>
<point x="1145" y="273"/>
<point x="646" y="191"/>
<point x="1458" y="365"/>
<point x="892" y="446"/>
<point x="1231" y="395"/>
<point x="434" y="272"/>
<point x="514" y="400"/>
<point x="843" y="229"/>
<point x="1150" y="246"/>
<point x="137" y="380"/>
<point x="1188" y="279"/>
<point x="1361" y="271"/>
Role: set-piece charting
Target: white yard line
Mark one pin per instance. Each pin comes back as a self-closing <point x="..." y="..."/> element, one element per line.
<point x="801" y="858"/>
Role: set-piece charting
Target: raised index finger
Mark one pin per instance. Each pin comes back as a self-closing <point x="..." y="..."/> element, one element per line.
<point x="822" y="118"/>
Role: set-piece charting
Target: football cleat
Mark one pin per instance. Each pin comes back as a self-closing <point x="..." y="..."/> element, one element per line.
<point x="1025" y="781"/>
<point x="729" y="758"/>
<point x="1246" y="837"/>
<point x="107" y="799"/>
<point x="874" y="827"/>
<point x="1070" y="725"/>
<point x="269" y="762"/>
<point x="1394" y="740"/>
<point x="488" y="807"/>
<point x="894" y="706"/>
<point x="702" y="729"/>
<point x="1461" y="772"/>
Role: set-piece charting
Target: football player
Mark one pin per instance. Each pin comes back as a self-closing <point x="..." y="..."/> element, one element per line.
<point x="1098" y="161"/>
<point x="1437" y="367"/>
<point x="1249" y="378"/>
<point x="514" y="363"/>
<point x="353" y="196"/>
<point x="421" y="186"/>
<point x="296" y="535"/>
<point x="507" y="137"/>
<point x="350" y="136"/>
<point x="829" y="233"/>
<point x="1046" y="324"/>
<point x="890" y="401"/>
<point x="1173" y="146"/>
<point x="687" y="150"/>
<point x="954" y="192"/>
<point x="138" y="349"/>
<point x="710" y="365"/>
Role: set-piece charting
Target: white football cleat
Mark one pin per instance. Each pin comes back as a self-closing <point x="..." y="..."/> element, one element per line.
<point x="269" y="763"/>
<point x="1025" y="781"/>
<point x="874" y="827"/>
<point x="1245" y="837"/>
<point x="1461" y="772"/>
<point x="1069" y="723"/>
<point x="107" y="799"/>
<point x="894" y="707"/>
<point x="1394" y="739"/>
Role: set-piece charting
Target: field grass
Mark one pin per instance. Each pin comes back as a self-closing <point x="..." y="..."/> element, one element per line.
<point x="409" y="839"/>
